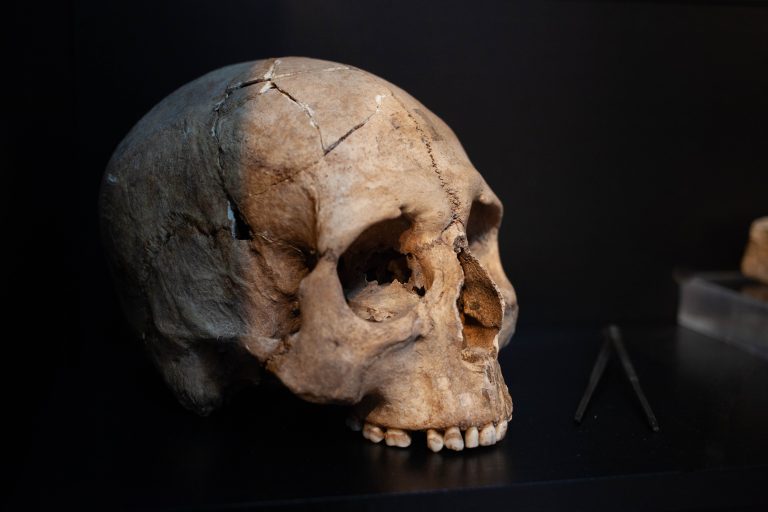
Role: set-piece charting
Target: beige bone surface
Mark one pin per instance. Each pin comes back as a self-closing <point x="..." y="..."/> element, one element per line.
<point x="755" y="261"/>
<point x="312" y="220"/>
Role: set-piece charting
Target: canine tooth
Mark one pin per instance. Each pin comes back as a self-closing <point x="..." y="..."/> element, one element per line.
<point x="354" y="423"/>
<point x="488" y="435"/>
<point x="470" y="437"/>
<point x="501" y="430"/>
<point x="372" y="433"/>
<point x="397" y="437"/>
<point x="453" y="440"/>
<point x="434" y="440"/>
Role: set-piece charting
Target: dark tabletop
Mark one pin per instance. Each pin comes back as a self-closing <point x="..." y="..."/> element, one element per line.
<point x="112" y="437"/>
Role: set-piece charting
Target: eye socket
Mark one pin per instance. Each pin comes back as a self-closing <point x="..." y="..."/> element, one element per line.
<point x="386" y="265"/>
<point x="484" y="218"/>
<point x="378" y="281"/>
<point x="374" y="255"/>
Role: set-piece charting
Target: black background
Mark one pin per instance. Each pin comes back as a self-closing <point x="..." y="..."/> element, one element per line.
<point x="626" y="140"/>
<point x="623" y="139"/>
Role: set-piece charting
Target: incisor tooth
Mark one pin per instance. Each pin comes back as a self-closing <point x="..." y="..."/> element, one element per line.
<point x="488" y="435"/>
<point x="501" y="430"/>
<point x="372" y="433"/>
<point x="397" y="437"/>
<point x="434" y="440"/>
<point x="470" y="437"/>
<point x="453" y="440"/>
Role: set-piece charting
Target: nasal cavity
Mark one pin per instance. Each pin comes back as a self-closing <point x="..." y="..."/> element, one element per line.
<point x="479" y="305"/>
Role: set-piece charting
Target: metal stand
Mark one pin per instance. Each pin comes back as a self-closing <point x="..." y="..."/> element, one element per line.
<point x="612" y="336"/>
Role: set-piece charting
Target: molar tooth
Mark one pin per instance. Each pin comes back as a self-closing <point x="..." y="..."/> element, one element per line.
<point x="434" y="440"/>
<point x="501" y="430"/>
<point x="470" y="437"/>
<point x="488" y="435"/>
<point x="354" y="423"/>
<point x="372" y="433"/>
<point x="397" y="437"/>
<point x="453" y="440"/>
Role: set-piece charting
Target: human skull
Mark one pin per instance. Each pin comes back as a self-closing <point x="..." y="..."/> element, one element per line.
<point x="316" y="221"/>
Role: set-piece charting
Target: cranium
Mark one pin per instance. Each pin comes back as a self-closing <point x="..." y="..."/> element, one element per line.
<point x="316" y="221"/>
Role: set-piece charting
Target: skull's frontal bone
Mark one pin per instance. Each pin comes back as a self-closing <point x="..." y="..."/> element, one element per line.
<point x="312" y="219"/>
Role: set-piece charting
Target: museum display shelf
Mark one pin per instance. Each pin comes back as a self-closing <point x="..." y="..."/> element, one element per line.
<point x="727" y="306"/>
<point x="113" y="438"/>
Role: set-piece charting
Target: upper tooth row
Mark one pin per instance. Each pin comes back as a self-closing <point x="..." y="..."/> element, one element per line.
<point x="451" y="438"/>
<point x="393" y="436"/>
